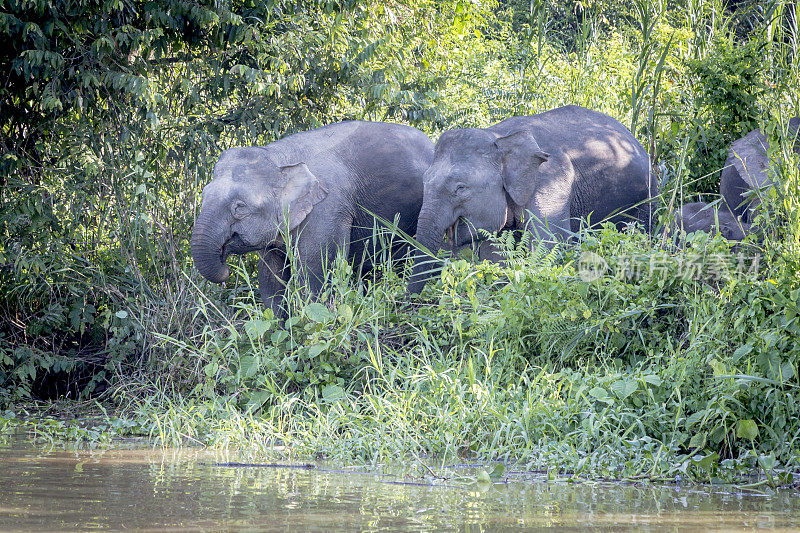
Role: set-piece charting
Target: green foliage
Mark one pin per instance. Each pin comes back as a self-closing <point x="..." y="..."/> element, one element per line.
<point x="672" y="362"/>
<point x="728" y="86"/>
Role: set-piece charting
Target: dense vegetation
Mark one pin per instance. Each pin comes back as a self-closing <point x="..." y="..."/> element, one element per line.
<point x="113" y="114"/>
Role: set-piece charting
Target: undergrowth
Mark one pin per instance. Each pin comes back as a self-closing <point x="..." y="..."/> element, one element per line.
<point x="670" y="363"/>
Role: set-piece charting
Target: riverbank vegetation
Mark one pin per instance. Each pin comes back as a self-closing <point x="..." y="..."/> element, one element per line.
<point x="627" y="356"/>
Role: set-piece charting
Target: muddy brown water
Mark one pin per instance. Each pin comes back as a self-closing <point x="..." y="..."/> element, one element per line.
<point x="181" y="490"/>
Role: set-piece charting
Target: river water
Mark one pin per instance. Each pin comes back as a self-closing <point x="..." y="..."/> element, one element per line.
<point x="178" y="490"/>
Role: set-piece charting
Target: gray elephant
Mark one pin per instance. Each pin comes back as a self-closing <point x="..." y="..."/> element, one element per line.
<point x="318" y="188"/>
<point x="746" y="172"/>
<point x="545" y="173"/>
<point x="700" y="216"/>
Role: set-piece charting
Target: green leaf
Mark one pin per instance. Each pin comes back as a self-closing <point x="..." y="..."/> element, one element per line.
<point x="705" y="461"/>
<point x="695" y="417"/>
<point x="583" y="289"/>
<point x="623" y="388"/>
<point x="122" y="315"/>
<point x="484" y="477"/>
<point x="787" y="370"/>
<point x="248" y="366"/>
<point x="256" y="328"/>
<point x="346" y="312"/>
<point x="498" y="471"/>
<point x="767" y="462"/>
<point x="332" y="393"/>
<point x="742" y="350"/>
<point x="317" y="349"/>
<point x="257" y="399"/>
<point x="211" y="369"/>
<point x="599" y="393"/>
<point x="316" y="312"/>
<point x="698" y="440"/>
<point x="279" y="336"/>
<point x="719" y="433"/>
<point x="652" y="379"/>
<point x="746" y="429"/>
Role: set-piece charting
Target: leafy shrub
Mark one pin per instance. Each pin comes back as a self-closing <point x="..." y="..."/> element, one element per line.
<point x="728" y="87"/>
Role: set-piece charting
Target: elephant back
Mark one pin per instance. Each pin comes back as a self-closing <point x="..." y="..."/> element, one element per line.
<point x="610" y="169"/>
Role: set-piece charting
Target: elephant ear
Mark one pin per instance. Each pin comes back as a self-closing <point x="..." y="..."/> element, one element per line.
<point x="299" y="193"/>
<point x="521" y="157"/>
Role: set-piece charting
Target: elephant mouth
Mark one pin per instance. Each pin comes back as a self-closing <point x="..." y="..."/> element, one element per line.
<point x="235" y="245"/>
<point x="461" y="232"/>
<point x="226" y="251"/>
<point x="450" y="232"/>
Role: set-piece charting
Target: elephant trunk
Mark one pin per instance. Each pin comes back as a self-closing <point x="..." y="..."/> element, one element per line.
<point x="430" y="234"/>
<point x="208" y="238"/>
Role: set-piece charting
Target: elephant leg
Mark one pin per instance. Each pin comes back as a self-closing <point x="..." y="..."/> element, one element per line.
<point x="273" y="274"/>
<point x="317" y="255"/>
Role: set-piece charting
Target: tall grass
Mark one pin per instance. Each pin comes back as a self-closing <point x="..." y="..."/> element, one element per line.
<point x="653" y="376"/>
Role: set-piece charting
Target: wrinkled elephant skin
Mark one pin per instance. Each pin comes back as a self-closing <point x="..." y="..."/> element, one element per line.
<point x="747" y="172"/>
<point x="700" y="216"/>
<point x="547" y="173"/>
<point x="319" y="189"/>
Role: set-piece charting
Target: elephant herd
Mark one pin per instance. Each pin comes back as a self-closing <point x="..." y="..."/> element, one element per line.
<point x="318" y="193"/>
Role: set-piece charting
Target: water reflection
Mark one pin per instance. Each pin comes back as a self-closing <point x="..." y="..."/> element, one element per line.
<point x="180" y="489"/>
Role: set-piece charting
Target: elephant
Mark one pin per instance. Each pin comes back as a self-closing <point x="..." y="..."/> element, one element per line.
<point x="546" y="173"/>
<point x="320" y="189"/>
<point x="746" y="171"/>
<point x="701" y="216"/>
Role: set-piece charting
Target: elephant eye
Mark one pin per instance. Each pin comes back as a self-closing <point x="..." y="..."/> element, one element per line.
<point x="239" y="209"/>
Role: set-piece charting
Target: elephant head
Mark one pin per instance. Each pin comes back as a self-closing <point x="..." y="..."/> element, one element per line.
<point x="246" y="205"/>
<point x="747" y="170"/>
<point x="700" y="216"/>
<point x="475" y="180"/>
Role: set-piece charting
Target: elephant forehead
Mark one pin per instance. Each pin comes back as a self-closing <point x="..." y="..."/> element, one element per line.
<point x="237" y="183"/>
<point x="244" y="173"/>
<point x="465" y="153"/>
<point x="245" y="164"/>
<point x="470" y="168"/>
<point x="240" y="156"/>
<point x="240" y="173"/>
<point x="438" y="173"/>
<point x="467" y="141"/>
